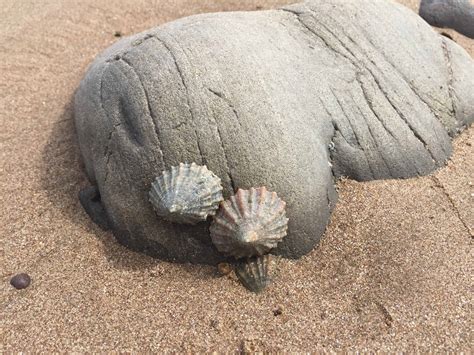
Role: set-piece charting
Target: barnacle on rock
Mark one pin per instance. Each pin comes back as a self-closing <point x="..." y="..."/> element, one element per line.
<point x="255" y="273"/>
<point x="250" y="223"/>
<point x="187" y="193"/>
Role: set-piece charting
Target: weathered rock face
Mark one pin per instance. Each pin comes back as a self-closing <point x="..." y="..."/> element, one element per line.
<point x="455" y="14"/>
<point x="288" y="99"/>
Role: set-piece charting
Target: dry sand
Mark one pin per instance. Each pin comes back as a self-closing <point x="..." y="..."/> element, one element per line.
<point x="393" y="272"/>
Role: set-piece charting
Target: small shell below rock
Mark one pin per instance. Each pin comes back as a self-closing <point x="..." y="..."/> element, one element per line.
<point x="255" y="273"/>
<point x="187" y="193"/>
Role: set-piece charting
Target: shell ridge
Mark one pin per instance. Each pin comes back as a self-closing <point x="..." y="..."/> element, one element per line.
<point x="250" y="223"/>
<point x="255" y="273"/>
<point x="186" y="193"/>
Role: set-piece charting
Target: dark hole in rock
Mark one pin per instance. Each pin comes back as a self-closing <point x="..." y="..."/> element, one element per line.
<point x="91" y="202"/>
<point x="445" y="34"/>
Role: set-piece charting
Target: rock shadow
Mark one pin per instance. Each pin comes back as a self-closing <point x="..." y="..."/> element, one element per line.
<point x="64" y="176"/>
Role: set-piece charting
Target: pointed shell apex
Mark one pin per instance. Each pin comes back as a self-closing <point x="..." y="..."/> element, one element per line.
<point x="250" y="223"/>
<point x="187" y="193"/>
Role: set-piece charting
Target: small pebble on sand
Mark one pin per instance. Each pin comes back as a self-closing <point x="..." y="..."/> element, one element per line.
<point x="278" y="311"/>
<point x="224" y="269"/>
<point x="20" y="281"/>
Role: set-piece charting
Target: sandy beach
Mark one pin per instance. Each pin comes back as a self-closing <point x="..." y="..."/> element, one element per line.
<point x="393" y="271"/>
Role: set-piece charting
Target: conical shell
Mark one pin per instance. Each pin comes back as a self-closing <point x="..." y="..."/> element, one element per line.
<point x="250" y="223"/>
<point x="187" y="193"/>
<point x="255" y="273"/>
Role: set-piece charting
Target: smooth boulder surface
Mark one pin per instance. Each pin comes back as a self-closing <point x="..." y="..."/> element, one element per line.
<point x="455" y="14"/>
<point x="289" y="99"/>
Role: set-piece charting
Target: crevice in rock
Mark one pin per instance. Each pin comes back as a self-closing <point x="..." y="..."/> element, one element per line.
<point x="150" y="110"/>
<point x="328" y="200"/>
<point x="378" y="149"/>
<point x="447" y="58"/>
<point x="332" y="148"/>
<point x="334" y="124"/>
<point x="406" y="80"/>
<point x="341" y="107"/>
<point x="385" y="93"/>
<point x="403" y="117"/>
<point x="229" y="103"/>
<point x="368" y="100"/>
<point x="108" y="153"/>
<point x="219" y="134"/>
<point x="332" y="48"/>
<point x="135" y="43"/>
<point x="188" y="102"/>
<point x="367" y="160"/>
<point x="413" y="90"/>
<point x="356" y="62"/>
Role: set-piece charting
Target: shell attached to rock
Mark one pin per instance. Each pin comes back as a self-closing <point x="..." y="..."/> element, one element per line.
<point x="187" y="193"/>
<point x="250" y="223"/>
<point x="255" y="273"/>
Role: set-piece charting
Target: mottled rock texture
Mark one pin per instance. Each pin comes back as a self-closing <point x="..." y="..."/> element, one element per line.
<point x="455" y="14"/>
<point x="290" y="99"/>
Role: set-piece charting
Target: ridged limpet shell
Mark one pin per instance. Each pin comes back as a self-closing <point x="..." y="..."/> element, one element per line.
<point x="187" y="193"/>
<point x="250" y="223"/>
<point x="255" y="273"/>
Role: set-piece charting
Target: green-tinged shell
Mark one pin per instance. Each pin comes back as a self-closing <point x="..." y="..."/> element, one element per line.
<point x="250" y="223"/>
<point x="255" y="273"/>
<point x="187" y="193"/>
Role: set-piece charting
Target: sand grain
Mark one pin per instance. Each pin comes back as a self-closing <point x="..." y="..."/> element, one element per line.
<point x="393" y="272"/>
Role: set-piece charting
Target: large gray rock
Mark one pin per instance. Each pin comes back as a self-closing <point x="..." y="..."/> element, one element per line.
<point x="290" y="99"/>
<point x="455" y="14"/>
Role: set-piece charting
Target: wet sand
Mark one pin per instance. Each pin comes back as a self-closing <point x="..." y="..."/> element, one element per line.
<point x="393" y="271"/>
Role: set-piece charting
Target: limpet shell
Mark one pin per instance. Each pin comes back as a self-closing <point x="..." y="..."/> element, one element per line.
<point x="250" y="223"/>
<point x="187" y="193"/>
<point x="255" y="273"/>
